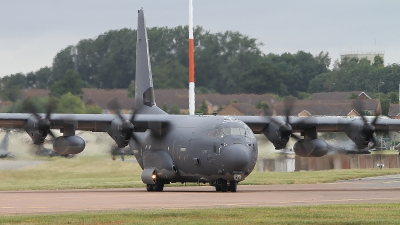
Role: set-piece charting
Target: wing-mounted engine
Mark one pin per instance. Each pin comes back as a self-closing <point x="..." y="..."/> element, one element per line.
<point x="121" y="129"/>
<point x="38" y="127"/>
<point x="361" y="132"/>
<point x="278" y="132"/>
<point x="121" y="132"/>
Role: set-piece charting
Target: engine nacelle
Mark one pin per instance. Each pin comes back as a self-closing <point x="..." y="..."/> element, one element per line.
<point x="120" y="138"/>
<point x="311" y="148"/>
<point x="274" y="135"/>
<point x="69" y="145"/>
<point x="355" y="132"/>
<point x="32" y="128"/>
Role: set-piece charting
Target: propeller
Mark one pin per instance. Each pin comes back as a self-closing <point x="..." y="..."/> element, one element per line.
<point x="368" y="128"/>
<point x="43" y="122"/>
<point x="285" y="128"/>
<point x="127" y="126"/>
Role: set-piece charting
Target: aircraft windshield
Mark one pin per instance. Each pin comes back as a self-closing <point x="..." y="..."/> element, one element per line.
<point x="227" y="131"/>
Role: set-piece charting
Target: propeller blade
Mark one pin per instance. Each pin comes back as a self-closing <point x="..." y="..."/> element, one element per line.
<point x="114" y="105"/>
<point x="358" y="105"/>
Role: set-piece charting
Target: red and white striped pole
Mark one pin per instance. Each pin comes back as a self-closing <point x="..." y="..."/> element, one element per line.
<point x="191" y="61"/>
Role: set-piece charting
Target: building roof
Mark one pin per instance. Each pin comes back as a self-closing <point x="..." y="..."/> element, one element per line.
<point x="394" y="110"/>
<point x="40" y="93"/>
<point x="338" y="95"/>
<point x="224" y="100"/>
<point x="326" y="108"/>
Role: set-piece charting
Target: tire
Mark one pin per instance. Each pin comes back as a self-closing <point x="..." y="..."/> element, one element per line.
<point x="218" y="187"/>
<point x="149" y="187"/>
<point x="232" y="186"/>
<point x="159" y="185"/>
<point x="224" y="185"/>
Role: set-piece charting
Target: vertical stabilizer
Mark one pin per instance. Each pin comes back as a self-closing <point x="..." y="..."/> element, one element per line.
<point x="144" y="91"/>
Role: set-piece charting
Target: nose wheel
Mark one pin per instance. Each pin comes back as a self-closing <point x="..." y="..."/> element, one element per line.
<point x="222" y="186"/>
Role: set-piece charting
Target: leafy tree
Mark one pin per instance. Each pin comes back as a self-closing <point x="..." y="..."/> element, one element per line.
<point x="265" y="77"/>
<point x="93" y="109"/>
<point x="264" y="107"/>
<point x="165" y="108"/>
<point x="393" y="97"/>
<point x="303" y="95"/>
<point x="70" y="103"/>
<point x="378" y="61"/>
<point x="170" y="74"/>
<point x="203" y="108"/>
<point x="71" y="83"/>
<point x="19" y="106"/>
<point x="131" y="90"/>
<point x="12" y="85"/>
<point x="353" y="96"/>
<point x="44" y="78"/>
<point x="174" y="110"/>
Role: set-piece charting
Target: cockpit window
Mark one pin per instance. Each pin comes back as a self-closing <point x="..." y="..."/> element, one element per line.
<point x="214" y="132"/>
<point x="227" y="131"/>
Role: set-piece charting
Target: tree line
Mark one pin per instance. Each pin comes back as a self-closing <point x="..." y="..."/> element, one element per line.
<point x="225" y="62"/>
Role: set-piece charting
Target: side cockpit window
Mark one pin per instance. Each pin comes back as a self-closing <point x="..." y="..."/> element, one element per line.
<point x="214" y="132"/>
<point x="249" y="133"/>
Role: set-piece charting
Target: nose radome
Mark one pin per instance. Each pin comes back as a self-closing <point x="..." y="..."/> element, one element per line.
<point x="235" y="157"/>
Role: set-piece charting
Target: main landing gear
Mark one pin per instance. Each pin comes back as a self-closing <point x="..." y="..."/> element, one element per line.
<point x="223" y="186"/>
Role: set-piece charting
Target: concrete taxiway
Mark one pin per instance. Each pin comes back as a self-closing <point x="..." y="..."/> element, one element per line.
<point x="385" y="189"/>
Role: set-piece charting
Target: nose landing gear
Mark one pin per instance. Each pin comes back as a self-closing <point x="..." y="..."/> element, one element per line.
<point x="223" y="186"/>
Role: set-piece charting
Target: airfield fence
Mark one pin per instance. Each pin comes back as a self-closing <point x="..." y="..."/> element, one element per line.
<point x="292" y="163"/>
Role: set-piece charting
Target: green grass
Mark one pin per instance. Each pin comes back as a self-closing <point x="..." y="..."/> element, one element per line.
<point x="90" y="172"/>
<point x="314" y="177"/>
<point x="323" y="214"/>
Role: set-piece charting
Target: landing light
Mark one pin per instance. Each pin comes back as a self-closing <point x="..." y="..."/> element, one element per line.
<point x="153" y="176"/>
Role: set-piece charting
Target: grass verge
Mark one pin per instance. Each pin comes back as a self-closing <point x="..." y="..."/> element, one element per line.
<point x="323" y="214"/>
<point x="101" y="172"/>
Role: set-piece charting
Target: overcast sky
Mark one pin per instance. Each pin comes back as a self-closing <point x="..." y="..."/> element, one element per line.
<point x="32" y="32"/>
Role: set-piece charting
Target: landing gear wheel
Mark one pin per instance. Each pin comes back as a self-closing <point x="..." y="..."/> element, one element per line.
<point x="149" y="187"/>
<point x="232" y="186"/>
<point x="218" y="187"/>
<point x="159" y="185"/>
<point x="224" y="185"/>
<point x="122" y="157"/>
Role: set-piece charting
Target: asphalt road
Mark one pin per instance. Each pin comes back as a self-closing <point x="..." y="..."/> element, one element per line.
<point x="369" y="190"/>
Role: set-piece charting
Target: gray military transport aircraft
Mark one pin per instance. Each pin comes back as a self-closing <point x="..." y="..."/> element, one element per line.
<point x="218" y="150"/>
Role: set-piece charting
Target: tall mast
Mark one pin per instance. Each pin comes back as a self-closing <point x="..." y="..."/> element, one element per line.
<point x="191" y="61"/>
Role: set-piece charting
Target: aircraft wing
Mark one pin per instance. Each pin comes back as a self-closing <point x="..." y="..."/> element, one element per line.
<point x="86" y="122"/>
<point x="322" y="124"/>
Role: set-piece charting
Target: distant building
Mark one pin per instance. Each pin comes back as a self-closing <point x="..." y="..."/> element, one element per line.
<point x="361" y="55"/>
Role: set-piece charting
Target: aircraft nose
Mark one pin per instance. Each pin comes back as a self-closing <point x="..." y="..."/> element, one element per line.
<point x="235" y="157"/>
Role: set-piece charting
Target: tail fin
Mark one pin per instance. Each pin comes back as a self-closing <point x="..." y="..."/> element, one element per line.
<point x="144" y="91"/>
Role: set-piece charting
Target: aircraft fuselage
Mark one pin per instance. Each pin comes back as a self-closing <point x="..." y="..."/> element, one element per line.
<point x="199" y="149"/>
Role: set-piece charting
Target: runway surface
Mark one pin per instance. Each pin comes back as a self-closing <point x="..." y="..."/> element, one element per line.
<point x="383" y="189"/>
